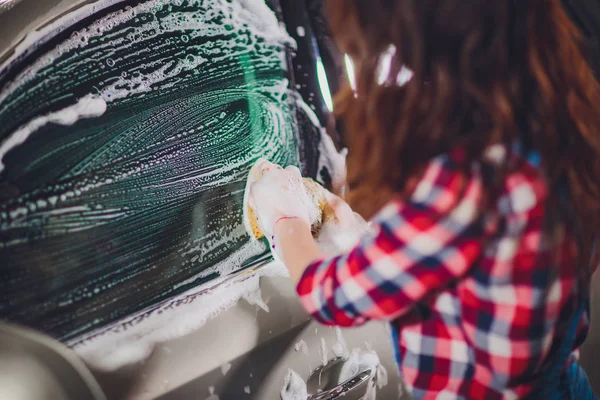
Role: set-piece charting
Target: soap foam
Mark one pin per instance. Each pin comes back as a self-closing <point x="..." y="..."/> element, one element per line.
<point x="301" y="346"/>
<point x="340" y="349"/>
<point x="323" y="351"/>
<point x="225" y="368"/>
<point x="212" y="395"/>
<point x="294" y="387"/>
<point x="87" y="107"/>
<point x="245" y="14"/>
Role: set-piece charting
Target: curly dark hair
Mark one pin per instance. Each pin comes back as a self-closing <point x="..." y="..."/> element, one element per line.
<point x="485" y="72"/>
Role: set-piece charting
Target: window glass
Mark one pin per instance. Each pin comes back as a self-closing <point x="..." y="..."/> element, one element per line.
<point x="124" y="146"/>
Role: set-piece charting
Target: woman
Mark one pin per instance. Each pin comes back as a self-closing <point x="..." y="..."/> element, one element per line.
<point x="482" y="178"/>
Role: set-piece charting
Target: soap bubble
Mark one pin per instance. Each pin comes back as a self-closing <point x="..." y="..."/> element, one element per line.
<point x="110" y="62"/>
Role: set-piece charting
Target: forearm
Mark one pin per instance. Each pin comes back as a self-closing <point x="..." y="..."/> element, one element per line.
<point x="296" y="246"/>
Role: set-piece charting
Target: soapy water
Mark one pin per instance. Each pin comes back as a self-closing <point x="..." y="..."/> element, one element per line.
<point x="124" y="147"/>
<point x="323" y="351"/>
<point x="212" y="395"/>
<point x="340" y="348"/>
<point x="225" y="368"/>
<point x="87" y="107"/>
<point x="294" y="387"/>
<point x="301" y="346"/>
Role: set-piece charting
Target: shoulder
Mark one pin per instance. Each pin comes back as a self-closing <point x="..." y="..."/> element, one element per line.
<point x="514" y="178"/>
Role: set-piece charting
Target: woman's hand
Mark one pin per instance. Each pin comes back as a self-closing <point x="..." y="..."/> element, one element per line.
<point x="280" y="194"/>
<point x="345" y="217"/>
<point x="342" y="232"/>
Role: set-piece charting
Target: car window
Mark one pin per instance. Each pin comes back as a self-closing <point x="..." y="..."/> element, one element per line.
<point x="125" y="140"/>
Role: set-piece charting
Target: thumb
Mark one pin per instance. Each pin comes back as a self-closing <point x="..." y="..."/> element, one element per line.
<point x="294" y="171"/>
<point x="251" y="202"/>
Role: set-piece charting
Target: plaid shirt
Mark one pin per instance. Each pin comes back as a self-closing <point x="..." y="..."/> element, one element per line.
<point x="474" y="298"/>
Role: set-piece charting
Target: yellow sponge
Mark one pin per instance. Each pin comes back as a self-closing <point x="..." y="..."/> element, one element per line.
<point x="314" y="190"/>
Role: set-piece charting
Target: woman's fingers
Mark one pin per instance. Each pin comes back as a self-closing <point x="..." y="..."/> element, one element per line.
<point x="333" y="200"/>
<point x="265" y="167"/>
<point x="251" y="197"/>
<point x="294" y="171"/>
<point x="341" y="209"/>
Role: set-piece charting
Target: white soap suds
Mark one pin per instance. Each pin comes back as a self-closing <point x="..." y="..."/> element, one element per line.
<point x="252" y="15"/>
<point x="144" y="83"/>
<point x="262" y="18"/>
<point x="294" y="387"/>
<point x="382" y="376"/>
<point x="87" y="107"/>
<point x="225" y="368"/>
<point x="323" y="351"/>
<point x="37" y="37"/>
<point x="247" y="389"/>
<point x="301" y="346"/>
<point x="351" y="366"/>
<point x="227" y="266"/>
<point x="340" y="349"/>
<point x="301" y="31"/>
<point x="212" y="395"/>
<point x="255" y="298"/>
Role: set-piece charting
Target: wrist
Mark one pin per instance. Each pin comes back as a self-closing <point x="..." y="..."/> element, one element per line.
<point x="287" y="231"/>
<point x="282" y="220"/>
<point x="289" y="226"/>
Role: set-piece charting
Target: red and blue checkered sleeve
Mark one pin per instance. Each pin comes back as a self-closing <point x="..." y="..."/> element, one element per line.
<point x="416" y="247"/>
